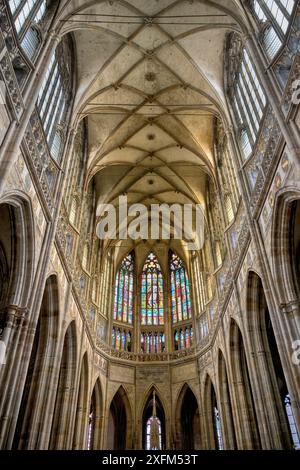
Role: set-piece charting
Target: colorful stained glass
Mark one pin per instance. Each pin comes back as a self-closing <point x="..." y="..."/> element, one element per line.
<point x="123" y="299"/>
<point x="123" y="345"/>
<point x="149" y="426"/>
<point x="187" y="338"/>
<point x="176" y="340"/>
<point x="118" y="339"/>
<point x="152" y="305"/>
<point x="183" y="339"/>
<point x="180" y="290"/>
<point x="128" y="346"/>
<point x="121" y="339"/>
<point x="152" y="342"/>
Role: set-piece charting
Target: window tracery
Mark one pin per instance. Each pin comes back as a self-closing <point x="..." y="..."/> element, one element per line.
<point x="273" y="18"/>
<point x="54" y="96"/>
<point x="180" y="290"/>
<point x="27" y="14"/>
<point x="123" y="299"/>
<point x="246" y="93"/>
<point x="152" y="302"/>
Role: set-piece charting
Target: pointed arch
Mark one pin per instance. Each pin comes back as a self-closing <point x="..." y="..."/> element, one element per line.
<point x="264" y="340"/>
<point x="119" y="422"/>
<point x="38" y="377"/>
<point x="285" y="244"/>
<point x="247" y="432"/>
<point x="187" y="420"/>
<point x="81" y="414"/>
<point x="212" y="418"/>
<point x="60" y="436"/>
<point x="226" y="403"/>
<point x="95" y="425"/>
<point x="17" y="246"/>
<point x="153" y="414"/>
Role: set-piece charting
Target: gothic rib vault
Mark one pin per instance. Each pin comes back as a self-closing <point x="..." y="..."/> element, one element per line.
<point x="151" y="84"/>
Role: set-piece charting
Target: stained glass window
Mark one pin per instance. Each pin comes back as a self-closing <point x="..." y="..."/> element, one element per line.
<point x="148" y="433"/>
<point x="180" y="290"/>
<point x="113" y="338"/>
<point x="121" y="339"/>
<point x="123" y="302"/>
<point x="152" y="303"/>
<point x="118" y="339"/>
<point x="217" y="426"/>
<point x="183" y="339"/>
<point x="292" y="422"/>
<point x="152" y="342"/>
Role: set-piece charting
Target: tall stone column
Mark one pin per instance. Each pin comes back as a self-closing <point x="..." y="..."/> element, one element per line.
<point x="10" y="391"/>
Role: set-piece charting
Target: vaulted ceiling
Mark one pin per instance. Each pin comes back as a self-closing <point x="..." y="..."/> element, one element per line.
<point x="150" y="84"/>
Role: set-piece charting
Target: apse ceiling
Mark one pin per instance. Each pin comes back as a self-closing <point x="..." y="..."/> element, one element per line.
<point x="150" y="84"/>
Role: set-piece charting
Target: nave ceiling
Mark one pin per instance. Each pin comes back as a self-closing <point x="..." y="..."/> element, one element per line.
<point x="150" y="83"/>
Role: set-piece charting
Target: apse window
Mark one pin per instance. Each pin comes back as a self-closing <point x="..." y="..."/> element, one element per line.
<point x="180" y="290"/>
<point x="153" y="434"/>
<point x="152" y="308"/>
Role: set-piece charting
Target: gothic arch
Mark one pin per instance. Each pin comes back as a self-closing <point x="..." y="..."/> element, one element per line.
<point x="213" y="433"/>
<point x="247" y="432"/>
<point x="60" y="436"/>
<point x="81" y="414"/>
<point x="285" y="244"/>
<point x="225" y="403"/>
<point x="187" y="420"/>
<point x="38" y="377"/>
<point x="160" y="261"/>
<point x="119" y="415"/>
<point x="264" y="339"/>
<point x="96" y="417"/>
<point x="146" y="412"/>
<point x="17" y="227"/>
<point x="146" y="395"/>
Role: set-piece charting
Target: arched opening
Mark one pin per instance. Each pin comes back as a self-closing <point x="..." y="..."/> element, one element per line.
<point x="212" y="417"/>
<point x="225" y="405"/>
<point x="216" y="420"/>
<point x="95" y="422"/>
<point x="295" y="244"/>
<point x="286" y="273"/>
<point x="60" y="430"/>
<point x="118" y="422"/>
<point x="268" y="365"/>
<point x="16" y="263"/>
<point x="81" y="418"/>
<point x="16" y="249"/>
<point x="249" y="437"/>
<point x="38" y="374"/>
<point x="154" y="423"/>
<point x="286" y="246"/>
<point x="188" y="421"/>
<point x="7" y="250"/>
